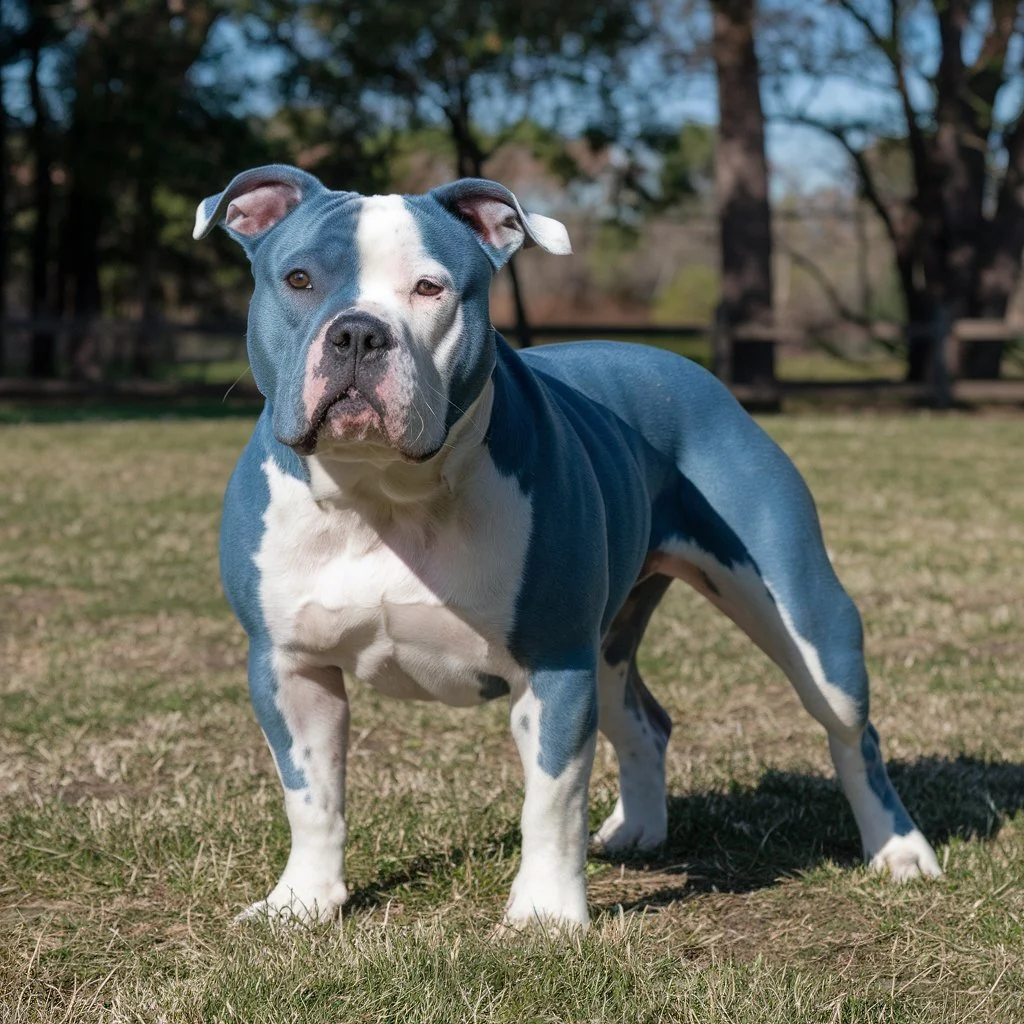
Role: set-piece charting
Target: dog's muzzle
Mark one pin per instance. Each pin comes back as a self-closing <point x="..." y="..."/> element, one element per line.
<point x="346" y="375"/>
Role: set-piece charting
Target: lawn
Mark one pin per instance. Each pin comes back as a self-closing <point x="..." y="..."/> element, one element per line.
<point x="139" y="809"/>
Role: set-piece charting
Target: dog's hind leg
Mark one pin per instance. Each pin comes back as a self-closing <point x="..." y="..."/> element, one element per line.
<point x="825" y="662"/>
<point x="637" y="727"/>
<point x="758" y="555"/>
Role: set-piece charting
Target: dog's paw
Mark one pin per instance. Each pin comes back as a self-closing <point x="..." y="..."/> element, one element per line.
<point x="512" y="929"/>
<point x="292" y="905"/>
<point x="510" y="932"/>
<point x="906" y="857"/>
<point x="618" y="835"/>
<point x="543" y="904"/>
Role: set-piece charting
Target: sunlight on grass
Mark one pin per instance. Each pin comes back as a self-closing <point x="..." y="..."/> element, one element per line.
<point x="139" y="808"/>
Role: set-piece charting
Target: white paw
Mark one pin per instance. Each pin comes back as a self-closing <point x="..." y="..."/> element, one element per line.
<point x="906" y="857"/>
<point x="298" y="905"/>
<point x="617" y="835"/>
<point x="544" y="902"/>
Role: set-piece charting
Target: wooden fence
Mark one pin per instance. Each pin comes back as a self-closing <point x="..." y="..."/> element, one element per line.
<point x="116" y="347"/>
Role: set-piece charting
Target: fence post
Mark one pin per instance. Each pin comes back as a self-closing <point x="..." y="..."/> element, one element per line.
<point x="722" y="345"/>
<point x="941" y="331"/>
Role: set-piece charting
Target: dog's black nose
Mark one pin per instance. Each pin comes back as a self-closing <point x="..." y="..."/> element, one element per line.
<point x="359" y="334"/>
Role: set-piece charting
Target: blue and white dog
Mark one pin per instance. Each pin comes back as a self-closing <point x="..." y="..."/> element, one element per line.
<point x="428" y="510"/>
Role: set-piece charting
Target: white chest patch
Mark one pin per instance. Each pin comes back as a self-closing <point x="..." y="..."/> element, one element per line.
<point x="420" y="608"/>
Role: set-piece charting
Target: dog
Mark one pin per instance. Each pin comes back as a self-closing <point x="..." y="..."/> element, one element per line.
<point x="445" y="518"/>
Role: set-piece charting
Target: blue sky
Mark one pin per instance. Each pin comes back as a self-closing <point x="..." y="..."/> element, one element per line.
<point x="803" y="160"/>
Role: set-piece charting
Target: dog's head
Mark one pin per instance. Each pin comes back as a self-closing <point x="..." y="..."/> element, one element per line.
<point x="369" y="327"/>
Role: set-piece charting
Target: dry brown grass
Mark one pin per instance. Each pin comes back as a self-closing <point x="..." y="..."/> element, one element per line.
<point x="139" y="809"/>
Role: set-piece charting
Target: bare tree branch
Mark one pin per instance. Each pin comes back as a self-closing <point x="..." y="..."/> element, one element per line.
<point x="829" y="290"/>
<point x="881" y="42"/>
<point x="987" y="75"/>
<point x="915" y="137"/>
<point x="865" y="175"/>
<point x="997" y="40"/>
<point x="891" y="47"/>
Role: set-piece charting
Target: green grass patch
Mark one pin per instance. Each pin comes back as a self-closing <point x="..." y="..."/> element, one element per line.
<point x="139" y="808"/>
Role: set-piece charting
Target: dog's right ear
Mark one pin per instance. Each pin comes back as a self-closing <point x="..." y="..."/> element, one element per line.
<point x="255" y="202"/>
<point x="500" y="224"/>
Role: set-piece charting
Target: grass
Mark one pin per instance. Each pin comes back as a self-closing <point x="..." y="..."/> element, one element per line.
<point x="139" y="809"/>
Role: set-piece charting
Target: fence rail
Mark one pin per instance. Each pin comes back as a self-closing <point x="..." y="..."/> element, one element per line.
<point x="117" y="341"/>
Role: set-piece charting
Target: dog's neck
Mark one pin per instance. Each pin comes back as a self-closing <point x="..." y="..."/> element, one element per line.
<point x="381" y="486"/>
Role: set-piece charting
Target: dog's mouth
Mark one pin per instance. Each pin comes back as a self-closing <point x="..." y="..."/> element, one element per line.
<point x="348" y="416"/>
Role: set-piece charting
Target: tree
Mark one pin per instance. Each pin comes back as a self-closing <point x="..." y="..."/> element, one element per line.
<point x="947" y="77"/>
<point x="741" y="178"/>
<point x="27" y="31"/>
<point x="138" y="113"/>
<point x="479" y="69"/>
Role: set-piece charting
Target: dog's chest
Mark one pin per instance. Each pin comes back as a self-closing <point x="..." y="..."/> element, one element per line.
<point x="417" y="610"/>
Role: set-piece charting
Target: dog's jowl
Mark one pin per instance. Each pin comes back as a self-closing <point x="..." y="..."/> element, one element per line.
<point x="427" y="510"/>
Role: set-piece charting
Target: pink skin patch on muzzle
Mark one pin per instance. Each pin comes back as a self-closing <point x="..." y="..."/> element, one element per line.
<point x="352" y="418"/>
<point x="394" y="396"/>
<point x="351" y="415"/>
<point x="314" y="383"/>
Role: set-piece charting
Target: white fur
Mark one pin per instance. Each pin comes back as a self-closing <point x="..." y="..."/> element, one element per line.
<point x="640" y="817"/>
<point x="387" y="571"/>
<point x="314" y="705"/>
<point x="750" y="603"/>
<point x="551" y="235"/>
<point x="550" y="887"/>
<point x="415" y="599"/>
<point x="312" y="885"/>
<point x="907" y="857"/>
<point x="903" y="857"/>
<point x="202" y="223"/>
<point x="392" y="259"/>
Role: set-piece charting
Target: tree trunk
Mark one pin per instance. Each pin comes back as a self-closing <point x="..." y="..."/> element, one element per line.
<point x="4" y="244"/>
<point x="43" y="348"/>
<point x="88" y="203"/>
<point x="523" y="332"/>
<point x="143" y="344"/>
<point x="470" y="164"/>
<point x="741" y="179"/>
<point x="80" y="240"/>
<point x="971" y="263"/>
<point x="1000" y="263"/>
<point x="920" y="313"/>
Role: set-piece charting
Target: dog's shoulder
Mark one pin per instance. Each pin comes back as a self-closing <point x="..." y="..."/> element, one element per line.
<point x="242" y="524"/>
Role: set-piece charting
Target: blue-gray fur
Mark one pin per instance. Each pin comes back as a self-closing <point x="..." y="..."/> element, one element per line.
<point x="740" y="499"/>
<point x="453" y="197"/>
<point x="453" y="246"/>
<point x="620" y="646"/>
<point x="567" y="691"/>
<point x="879" y="782"/>
<point x="215" y="207"/>
<point x="319" y="237"/>
<point x="241" y="531"/>
<point x="619" y="449"/>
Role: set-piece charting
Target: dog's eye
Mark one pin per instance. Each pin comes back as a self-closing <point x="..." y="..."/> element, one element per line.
<point x="426" y="287"/>
<point x="299" y="279"/>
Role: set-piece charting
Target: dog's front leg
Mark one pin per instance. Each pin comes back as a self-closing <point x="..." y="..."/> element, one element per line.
<point x="303" y="711"/>
<point x="554" y="723"/>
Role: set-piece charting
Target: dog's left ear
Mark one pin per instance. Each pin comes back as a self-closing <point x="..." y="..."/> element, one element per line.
<point x="498" y="221"/>
<point x="254" y="202"/>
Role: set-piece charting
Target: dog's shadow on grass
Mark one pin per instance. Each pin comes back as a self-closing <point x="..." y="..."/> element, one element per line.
<point x="747" y="838"/>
